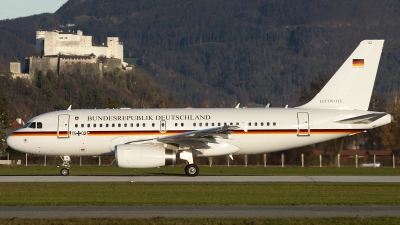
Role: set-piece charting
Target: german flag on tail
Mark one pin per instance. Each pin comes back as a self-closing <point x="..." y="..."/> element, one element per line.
<point x="358" y="62"/>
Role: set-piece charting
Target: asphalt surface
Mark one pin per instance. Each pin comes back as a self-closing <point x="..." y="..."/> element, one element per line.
<point x="197" y="211"/>
<point x="202" y="179"/>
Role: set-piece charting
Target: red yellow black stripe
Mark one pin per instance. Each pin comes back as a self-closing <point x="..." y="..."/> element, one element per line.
<point x="158" y="133"/>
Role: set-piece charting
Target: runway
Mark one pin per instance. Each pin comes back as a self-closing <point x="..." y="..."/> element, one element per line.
<point x="197" y="211"/>
<point x="203" y="179"/>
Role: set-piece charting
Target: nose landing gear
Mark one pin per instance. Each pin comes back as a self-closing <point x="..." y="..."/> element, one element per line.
<point x="66" y="160"/>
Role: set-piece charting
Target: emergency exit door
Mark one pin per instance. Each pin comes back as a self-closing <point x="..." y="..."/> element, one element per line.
<point x="303" y="128"/>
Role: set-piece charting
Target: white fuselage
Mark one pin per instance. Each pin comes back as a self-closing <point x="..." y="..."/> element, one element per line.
<point x="97" y="131"/>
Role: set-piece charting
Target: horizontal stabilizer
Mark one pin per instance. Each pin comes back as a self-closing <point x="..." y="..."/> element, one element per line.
<point x="364" y="119"/>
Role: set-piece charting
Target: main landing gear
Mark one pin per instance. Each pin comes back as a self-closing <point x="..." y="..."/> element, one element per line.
<point x="66" y="160"/>
<point x="191" y="170"/>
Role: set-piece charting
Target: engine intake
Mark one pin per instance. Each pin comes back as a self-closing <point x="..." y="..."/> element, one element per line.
<point x="143" y="156"/>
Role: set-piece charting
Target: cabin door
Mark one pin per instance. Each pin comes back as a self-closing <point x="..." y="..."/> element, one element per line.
<point x="63" y="126"/>
<point x="303" y="128"/>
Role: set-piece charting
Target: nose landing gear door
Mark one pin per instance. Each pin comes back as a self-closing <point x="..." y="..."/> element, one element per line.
<point x="63" y="126"/>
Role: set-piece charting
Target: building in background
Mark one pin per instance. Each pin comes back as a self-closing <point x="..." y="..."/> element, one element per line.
<point x="59" y="51"/>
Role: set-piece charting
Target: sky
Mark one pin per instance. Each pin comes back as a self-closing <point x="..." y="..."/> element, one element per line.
<point x="11" y="9"/>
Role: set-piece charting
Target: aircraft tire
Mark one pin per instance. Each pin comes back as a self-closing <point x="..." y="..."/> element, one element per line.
<point x="64" y="172"/>
<point x="191" y="170"/>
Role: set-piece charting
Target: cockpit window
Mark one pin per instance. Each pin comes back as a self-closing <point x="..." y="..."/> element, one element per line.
<point x="27" y="125"/>
<point x="32" y="125"/>
<point x="39" y="125"/>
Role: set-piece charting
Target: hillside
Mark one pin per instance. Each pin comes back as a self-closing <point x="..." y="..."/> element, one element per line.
<point x="218" y="53"/>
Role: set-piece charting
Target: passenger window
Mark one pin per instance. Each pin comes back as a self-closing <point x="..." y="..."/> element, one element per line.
<point x="152" y="124"/>
<point x="212" y="124"/>
<point x="137" y="125"/>
<point x="255" y="124"/>
<point x="76" y="125"/>
<point x="182" y="124"/>
<point x="200" y="124"/>
<point x="262" y="124"/>
<point x="94" y="125"/>
<point x="119" y="125"/>
<point x="249" y="124"/>
<point x="231" y="124"/>
<point x="82" y="125"/>
<point x="88" y="125"/>
<point x="219" y="124"/>
<point x="176" y="124"/>
<point x="194" y="124"/>
<point x="206" y="124"/>
<point x="237" y="123"/>
<point x="106" y="124"/>
<point x="268" y="124"/>
<point x="39" y="125"/>
<point x="125" y="125"/>
<point x="101" y="125"/>
<point x="113" y="125"/>
<point x="131" y="124"/>
<point x="144" y="125"/>
<point x="274" y="123"/>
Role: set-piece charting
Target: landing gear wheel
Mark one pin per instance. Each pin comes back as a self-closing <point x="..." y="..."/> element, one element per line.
<point x="64" y="172"/>
<point x="191" y="170"/>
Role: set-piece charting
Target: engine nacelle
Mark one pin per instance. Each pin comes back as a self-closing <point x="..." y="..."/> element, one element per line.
<point x="143" y="156"/>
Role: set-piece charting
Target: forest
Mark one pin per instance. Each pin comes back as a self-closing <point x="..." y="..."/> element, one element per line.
<point x="224" y="52"/>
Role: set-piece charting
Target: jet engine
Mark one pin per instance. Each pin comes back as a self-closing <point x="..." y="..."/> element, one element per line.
<point x="143" y="156"/>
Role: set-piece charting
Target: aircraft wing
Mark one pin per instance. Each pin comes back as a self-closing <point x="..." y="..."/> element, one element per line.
<point x="364" y="119"/>
<point x="204" y="135"/>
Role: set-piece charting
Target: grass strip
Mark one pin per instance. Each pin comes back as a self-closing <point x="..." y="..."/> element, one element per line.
<point x="204" y="170"/>
<point x="211" y="221"/>
<point x="161" y="194"/>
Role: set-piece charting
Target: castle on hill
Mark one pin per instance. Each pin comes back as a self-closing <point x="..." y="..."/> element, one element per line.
<point x="59" y="51"/>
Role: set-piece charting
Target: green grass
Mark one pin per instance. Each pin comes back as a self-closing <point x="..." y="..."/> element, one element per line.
<point x="204" y="170"/>
<point x="219" y="221"/>
<point x="139" y="194"/>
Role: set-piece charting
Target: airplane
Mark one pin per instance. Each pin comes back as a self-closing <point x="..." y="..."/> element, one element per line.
<point x="146" y="138"/>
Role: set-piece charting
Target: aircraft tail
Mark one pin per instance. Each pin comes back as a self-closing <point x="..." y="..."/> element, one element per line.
<point x="351" y="86"/>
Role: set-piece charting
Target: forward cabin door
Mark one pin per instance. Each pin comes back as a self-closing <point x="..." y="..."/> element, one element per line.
<point x="63" y="126"/>
<point x="303" y="128"/>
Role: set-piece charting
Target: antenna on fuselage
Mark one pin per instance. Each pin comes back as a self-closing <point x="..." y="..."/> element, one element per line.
<point x="267" y="106"/>
<point x="69" y="108"/>
<point x="237" y="106"/>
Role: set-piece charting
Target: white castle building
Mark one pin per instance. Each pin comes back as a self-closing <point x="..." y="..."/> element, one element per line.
<point x="50" y="43"/>
<point x="61" y="51"/>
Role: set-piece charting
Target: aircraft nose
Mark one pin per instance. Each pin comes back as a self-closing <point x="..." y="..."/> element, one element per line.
<point x="12" y="142"/>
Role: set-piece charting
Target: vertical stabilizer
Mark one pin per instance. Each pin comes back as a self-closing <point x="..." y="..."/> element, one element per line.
<point x="351" y="86"/>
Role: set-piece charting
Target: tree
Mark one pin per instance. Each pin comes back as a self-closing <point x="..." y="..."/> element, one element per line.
<point x="391" y="132"/>
<point x="5" y="119"/>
